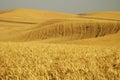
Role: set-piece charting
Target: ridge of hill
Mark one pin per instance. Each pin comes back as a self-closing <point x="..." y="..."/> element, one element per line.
<point x="103" y="15"/>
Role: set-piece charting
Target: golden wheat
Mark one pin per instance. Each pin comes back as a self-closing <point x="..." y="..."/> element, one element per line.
<point x="37" y="61"/>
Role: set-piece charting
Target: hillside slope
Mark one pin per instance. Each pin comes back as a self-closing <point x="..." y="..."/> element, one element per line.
<point x="72" y="29"/>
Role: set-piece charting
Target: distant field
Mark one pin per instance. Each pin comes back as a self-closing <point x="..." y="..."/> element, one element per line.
<point x="43" y="45"/>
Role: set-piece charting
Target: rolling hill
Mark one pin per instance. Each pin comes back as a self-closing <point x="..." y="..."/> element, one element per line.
<point x="39" y="25"/>
<point x="30" y="15"/>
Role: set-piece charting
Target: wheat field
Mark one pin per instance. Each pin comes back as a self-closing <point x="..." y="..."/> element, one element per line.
<point x="44" y="45"/>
